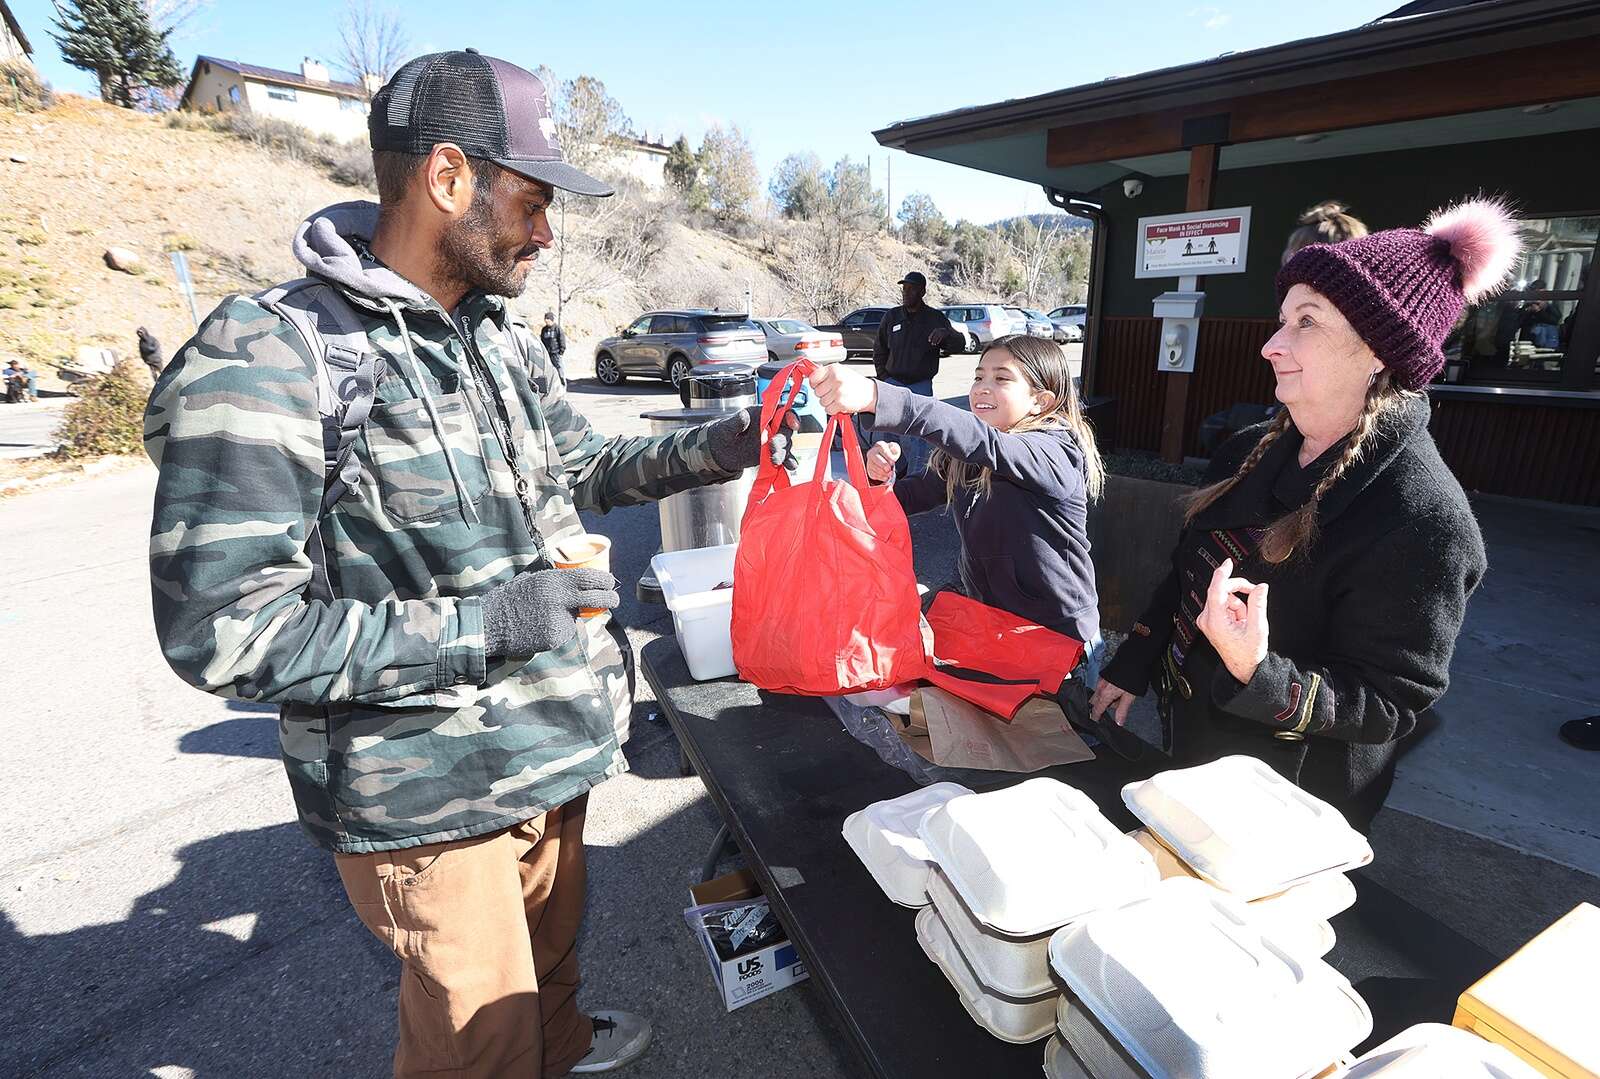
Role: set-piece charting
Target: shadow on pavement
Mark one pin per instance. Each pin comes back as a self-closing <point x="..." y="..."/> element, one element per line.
<point x="254" y="737"/>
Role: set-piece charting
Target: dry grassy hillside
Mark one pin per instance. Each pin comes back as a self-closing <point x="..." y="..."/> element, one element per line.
<point x="83" y="176"/>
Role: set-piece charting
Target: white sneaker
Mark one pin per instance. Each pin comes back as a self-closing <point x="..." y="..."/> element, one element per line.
<point x="620" y="1038"/>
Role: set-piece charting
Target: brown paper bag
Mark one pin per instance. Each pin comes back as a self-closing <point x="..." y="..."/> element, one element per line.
<point x="962" y="735"/>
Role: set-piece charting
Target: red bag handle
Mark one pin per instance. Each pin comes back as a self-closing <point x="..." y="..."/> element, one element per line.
<point x="853" y="461"/>
<point x="774" y="409"/>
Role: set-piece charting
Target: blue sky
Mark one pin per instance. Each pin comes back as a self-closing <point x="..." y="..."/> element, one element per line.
<point x="820" y="81"/>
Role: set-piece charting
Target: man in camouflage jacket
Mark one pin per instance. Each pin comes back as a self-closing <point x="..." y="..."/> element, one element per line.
<point x="441" y="699"/>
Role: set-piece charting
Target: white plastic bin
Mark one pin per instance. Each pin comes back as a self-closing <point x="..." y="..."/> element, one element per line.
<point x="1031" y="858"/>
<point x="1244" y="828"/>
<point x="1015" y="966"/>
<point x="1193" y="987"/>
<point x="884" y="836"/>
<point x="1009" y="1019"/>
<point x="702" y="613"/>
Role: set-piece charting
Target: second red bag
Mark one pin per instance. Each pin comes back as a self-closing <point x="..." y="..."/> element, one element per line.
<point x="824" y="591"/>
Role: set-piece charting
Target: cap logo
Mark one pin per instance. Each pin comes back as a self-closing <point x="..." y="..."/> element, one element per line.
<point x="547" y="128"/>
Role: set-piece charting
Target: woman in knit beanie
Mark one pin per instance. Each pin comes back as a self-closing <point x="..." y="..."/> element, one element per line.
<point x="1322" y="576"/>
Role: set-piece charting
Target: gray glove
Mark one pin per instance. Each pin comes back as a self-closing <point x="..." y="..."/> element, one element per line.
<point x="537" y="611"/>
<point x="735" y="442"/>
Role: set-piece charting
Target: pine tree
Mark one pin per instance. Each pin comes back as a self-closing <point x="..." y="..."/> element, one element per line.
<point x="682" y="169"/>
<point x="116" y="40"/>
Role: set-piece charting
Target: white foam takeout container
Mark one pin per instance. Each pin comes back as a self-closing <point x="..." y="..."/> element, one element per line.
<point x="1244" y="828"/>
<point x="884" y="836"/>
<point x="1059" y="1063"/>
<point x="1435" y="1051"/>
<point x="1192" y="986"/>
<point x="1032" y="857"/>
<point x="1007" y="1018"/>
<point x="1015" y="966"/>
<point x="1088" y="1047"/>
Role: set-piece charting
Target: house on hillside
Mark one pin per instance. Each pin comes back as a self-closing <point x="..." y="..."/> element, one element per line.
<point x="642" y="160"/>
<point x="14" y="47"/>
<point x="309" y="99"/>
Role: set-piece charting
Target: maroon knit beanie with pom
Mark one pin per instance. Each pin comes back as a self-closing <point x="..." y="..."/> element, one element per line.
<point x="1403" y="289"/>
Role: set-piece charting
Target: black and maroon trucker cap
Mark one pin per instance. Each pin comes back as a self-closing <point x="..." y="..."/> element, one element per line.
<point x="489" y="107"/>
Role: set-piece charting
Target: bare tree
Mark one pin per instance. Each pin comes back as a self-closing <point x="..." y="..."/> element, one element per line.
<point x="372" y="45"/>
<point x="173" y="15"/>
<point x="1035" y="248"/>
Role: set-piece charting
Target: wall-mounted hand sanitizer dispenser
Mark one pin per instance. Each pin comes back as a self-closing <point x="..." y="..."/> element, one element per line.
<point x="1179" y="313"/>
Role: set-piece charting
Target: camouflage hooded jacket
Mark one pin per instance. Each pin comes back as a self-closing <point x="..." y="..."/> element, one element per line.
<point x="396" y="729"/>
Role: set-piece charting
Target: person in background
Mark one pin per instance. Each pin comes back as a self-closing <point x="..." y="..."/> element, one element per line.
<point x="910" y="340"/>
<point x="1321" y="579"/>
<point x="19" y="383"/>
<point x="554" y="341"/>
<point x="1018" y="473"/>
<point x="1325" y="223"/>
<point x="150" y="352"/>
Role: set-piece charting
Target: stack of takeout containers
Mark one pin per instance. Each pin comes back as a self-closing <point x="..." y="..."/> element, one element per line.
<point x="1240" y="826"/>
<point x="1012" y="866"/>
<point x="1187" y="983"/>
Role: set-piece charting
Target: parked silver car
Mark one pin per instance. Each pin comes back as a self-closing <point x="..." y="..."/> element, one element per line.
<point x="1069" y="320"/>
<point x="790" y="339"/>
<point x="982" y="323"/>
<point x="670" y="344"/>
<point x="1039" y="324"/>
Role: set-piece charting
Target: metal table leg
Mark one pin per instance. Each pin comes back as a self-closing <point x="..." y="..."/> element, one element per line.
<point x="709" y="867"/>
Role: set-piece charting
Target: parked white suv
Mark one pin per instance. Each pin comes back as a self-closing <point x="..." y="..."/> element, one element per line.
<point x="982" y="323"/>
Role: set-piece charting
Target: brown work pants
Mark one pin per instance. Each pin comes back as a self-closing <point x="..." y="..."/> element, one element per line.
<point x="486" y="930"/>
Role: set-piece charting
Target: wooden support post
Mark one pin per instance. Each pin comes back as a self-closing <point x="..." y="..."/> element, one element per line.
<point x="1202" y="182"/>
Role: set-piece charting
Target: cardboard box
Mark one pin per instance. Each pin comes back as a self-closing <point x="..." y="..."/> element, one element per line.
<point x="1540" y="1003"/>
<point x="749" y="975"/>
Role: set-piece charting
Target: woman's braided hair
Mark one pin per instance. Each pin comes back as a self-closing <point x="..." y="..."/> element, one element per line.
<point x="1297" y="530"/>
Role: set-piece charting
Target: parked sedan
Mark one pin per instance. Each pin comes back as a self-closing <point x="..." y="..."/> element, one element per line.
<point x="859" y="329"/>
<point x="789" y="339"/>
<point x="670" y="344"/>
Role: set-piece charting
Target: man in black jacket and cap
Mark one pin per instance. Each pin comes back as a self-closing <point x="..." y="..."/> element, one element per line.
<point x="911" y="339"/>
<point x="554" y="341"/>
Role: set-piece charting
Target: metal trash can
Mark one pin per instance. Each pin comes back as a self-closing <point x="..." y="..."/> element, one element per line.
<point x="703" y="516"/>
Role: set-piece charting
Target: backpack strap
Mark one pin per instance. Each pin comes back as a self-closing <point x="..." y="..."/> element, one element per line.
<point x="347" y="372"/>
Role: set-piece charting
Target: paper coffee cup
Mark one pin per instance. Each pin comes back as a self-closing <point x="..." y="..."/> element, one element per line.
<point x="587" y="551"/>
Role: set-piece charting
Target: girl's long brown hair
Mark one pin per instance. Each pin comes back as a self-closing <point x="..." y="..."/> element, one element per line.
<point x="1044" y="365"/>
<point x="1297" y="530"/>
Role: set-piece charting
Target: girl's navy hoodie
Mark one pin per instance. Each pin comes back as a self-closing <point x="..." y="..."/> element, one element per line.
<point x="1024" y="545"/>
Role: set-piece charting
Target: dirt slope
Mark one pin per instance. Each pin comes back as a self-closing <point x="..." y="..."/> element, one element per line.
<point x="92" y="176"/>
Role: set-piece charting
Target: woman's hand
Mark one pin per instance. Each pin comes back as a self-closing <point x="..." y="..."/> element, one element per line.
<point x="1114" y="699"/>
<point x="880" y="461"/>
<point x="839" y="389"/>
<point x="1236" y="628"/>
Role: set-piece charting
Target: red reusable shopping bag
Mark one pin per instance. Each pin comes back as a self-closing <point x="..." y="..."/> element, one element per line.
<point x="824" y="593"/>
<point x="994" y="659"/>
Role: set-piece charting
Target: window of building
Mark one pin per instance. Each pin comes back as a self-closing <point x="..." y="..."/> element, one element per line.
<point x="1544" y="330"/>
<point x="233" y="94"/>
<point x="351" y="104"/>
<point x="281" y="93"/>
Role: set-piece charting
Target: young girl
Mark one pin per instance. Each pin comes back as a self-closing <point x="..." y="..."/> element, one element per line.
<point x="1018" y="473"/>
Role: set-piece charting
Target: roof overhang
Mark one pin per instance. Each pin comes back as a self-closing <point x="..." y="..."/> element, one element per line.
<point x="1405" y="83"/>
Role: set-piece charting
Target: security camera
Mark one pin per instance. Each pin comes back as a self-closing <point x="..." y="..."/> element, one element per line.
<point x="1132" y="188"/>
